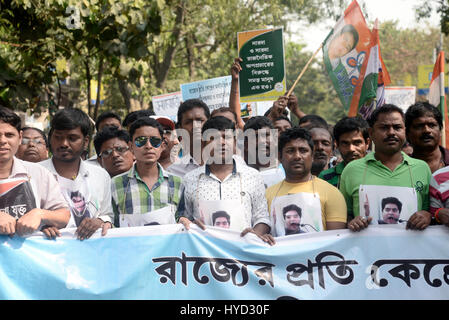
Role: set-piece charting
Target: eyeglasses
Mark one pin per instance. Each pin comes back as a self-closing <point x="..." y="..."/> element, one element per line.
<point x="154" y="141"/>
<point x="108" y="152"/>
<point x="26" y="141"/>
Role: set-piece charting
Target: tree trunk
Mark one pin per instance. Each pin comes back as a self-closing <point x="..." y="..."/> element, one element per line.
<point x="99" y="76"/>
<point x="88" y="78"/>
<point x="126" y="93"/>
<point x="161" y="69"/>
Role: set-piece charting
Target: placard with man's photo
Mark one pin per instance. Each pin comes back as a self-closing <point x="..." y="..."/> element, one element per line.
<point x="227" y="214"/>
<point x="296" y="214"/>
<point x="387" y="205"/>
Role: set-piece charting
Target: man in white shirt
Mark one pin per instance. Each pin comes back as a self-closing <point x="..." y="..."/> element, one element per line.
<point x="86" y="188"/>
<point x="35" y="200"/>
<point x="221" y="180"/>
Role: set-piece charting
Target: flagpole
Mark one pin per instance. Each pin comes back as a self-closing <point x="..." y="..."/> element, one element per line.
<point x="304" y="70"/>
<point x="443" y="100"/>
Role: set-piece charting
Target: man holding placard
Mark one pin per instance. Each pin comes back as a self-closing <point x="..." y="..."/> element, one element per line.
<point x="387" y="172"/>
<point x="224" y="184"/>
<point x="31" y="198"/>
<point x="323" y="206"/>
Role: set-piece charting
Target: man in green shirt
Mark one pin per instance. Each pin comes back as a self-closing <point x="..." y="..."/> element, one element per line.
<point x="351" y="136"/>
<point x="387" y="166"/>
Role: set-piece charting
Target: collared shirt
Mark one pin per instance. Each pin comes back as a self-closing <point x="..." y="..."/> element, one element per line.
<point x="244" y="184"/>
<point x="47" y="192"/>
<point x="333" y="174"/>
<point x="130" y="194"/>
<point x="411" y="173"/>
<point x="94" y="161"/>
<point x="97" y="184"/>
<point x="183" y="165"/>
<point x="272" y="176"/>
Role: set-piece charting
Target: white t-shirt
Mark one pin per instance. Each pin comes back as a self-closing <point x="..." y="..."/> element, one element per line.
<point x="88" y="195"/>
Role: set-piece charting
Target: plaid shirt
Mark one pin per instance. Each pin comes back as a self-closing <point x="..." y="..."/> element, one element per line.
<point x="130" y="195"/>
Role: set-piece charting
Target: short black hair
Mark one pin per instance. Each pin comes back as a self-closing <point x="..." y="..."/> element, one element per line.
<point x="349" y="124"/>
<point x="145" y="122"/>
<point x="283" y="118"/>
<point x="392" y="200"/>
<point x="71" y="118"/>
<point x="223" y="110"/>
<point x="292" y="207"/>
<point x="257" y="123"/>
<point x="219" y="214"/>
<point x="190" y="104"/>
<point x="315" y="121"/>
<point x="421" y="109"/>
<point x="10" y="117"/>
<point x="106" y="115"/>
<point x="386" y="108"/>
<point x="219" y="123"/>
<point x="42" y="133"/>
<point x="109" y="132"/>
<point x="292" y="134"/>
<point x="133" y="116"/>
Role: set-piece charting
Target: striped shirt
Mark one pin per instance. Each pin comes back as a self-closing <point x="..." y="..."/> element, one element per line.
<point x="131" y="195"/>
<point x="333" y="174"/>
<point x="439" y="189"/>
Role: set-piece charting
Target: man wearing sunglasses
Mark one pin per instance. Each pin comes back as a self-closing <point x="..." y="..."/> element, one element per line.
<point x="146" y="188"/>
<point x="111" y="145"/>
<point x="34" y="146"/>
<point x="70" y="130"/>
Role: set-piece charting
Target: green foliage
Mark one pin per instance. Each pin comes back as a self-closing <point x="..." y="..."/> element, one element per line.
<point x="139" y="48"/>
<point x="315" y="92"/>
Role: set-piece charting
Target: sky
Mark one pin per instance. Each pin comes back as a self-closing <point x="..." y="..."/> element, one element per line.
<point x="401" y="10"/>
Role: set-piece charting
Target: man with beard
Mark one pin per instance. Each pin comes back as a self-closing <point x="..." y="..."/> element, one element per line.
<point x="296" y="154"/>
<point x="387" y="166"/>
<point x="351" y="136"/>
<point x="70" y="130"/>
<point x="34" y="146"/>
<point x="424" y="123"/>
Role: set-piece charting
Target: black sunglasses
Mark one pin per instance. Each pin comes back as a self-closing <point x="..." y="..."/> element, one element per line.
<point x="154" y="141"/>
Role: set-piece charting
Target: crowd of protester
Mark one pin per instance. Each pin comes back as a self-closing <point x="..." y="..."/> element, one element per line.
<point x="279" y="178"/>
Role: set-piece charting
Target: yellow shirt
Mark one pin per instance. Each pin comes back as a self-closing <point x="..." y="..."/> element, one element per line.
<point x="333" y="205"/>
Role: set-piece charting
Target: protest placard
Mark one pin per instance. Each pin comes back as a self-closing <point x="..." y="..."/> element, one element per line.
<point x="167" y="104"/>
<point x="263" y="68"/>
<point x="214" y="92"/>
<point x="403" y="97"/>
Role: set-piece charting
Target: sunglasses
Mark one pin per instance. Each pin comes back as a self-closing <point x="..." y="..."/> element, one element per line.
<point x="154" y="141"/>
<point x="26" y="141"/>
<point x="108" y="152"/>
